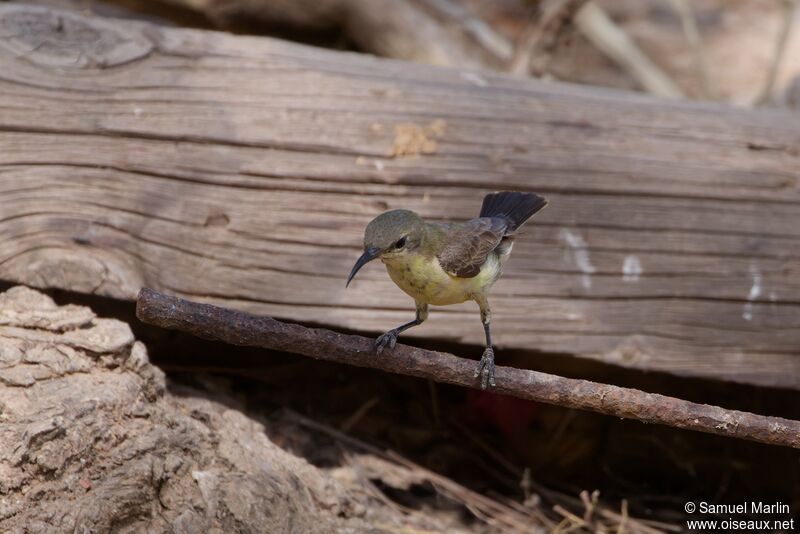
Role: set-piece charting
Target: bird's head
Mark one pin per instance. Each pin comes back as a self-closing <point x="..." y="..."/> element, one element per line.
<point x="390" y="235"/>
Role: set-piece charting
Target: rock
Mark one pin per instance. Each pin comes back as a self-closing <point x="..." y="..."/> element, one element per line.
<point x="92" y="441"/>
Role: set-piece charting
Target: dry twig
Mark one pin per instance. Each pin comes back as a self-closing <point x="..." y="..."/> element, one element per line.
<point x="454" y="14"/>
<point x="609" y="38"/>
<point x="359" y="414"/>
<point x="692" y="35"/>
<point x="488" y="510"/>
<point x="539" y="38"/>
<point x="780" y="49"/>
<point x="239" y="328"/>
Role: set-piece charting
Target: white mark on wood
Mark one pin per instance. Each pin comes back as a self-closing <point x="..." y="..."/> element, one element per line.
<point x="474" y="78"/>
<point x="378" y="164"/>
<point x="736" y="356"/>
<point x="580" y="255"/>
<point x="137" y="111"/>
<point x="755" y="292"/>
<point x="631" y="269"/>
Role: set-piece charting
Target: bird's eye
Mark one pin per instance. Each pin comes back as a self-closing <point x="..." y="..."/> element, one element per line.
<point x="400" y="243"/>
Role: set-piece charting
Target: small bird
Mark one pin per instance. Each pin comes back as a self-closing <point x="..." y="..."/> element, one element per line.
<point x="448" y="263"/>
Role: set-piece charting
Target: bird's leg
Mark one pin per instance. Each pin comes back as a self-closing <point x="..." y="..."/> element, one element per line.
<point x="486" y="366"/>
<point x="390" y="338"/>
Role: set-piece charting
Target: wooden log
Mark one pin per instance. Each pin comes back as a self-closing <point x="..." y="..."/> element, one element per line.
<point x="241" y="171"/>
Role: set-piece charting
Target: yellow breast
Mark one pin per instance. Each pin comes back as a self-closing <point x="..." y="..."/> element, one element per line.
<point x="425" y="280"/>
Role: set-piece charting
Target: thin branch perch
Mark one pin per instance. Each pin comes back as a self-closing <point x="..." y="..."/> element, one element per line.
<point x="239" y="328"/>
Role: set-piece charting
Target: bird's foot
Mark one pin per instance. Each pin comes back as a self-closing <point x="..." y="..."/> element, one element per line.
<point x="485" y="368"/>
<point x="389" y="339"/>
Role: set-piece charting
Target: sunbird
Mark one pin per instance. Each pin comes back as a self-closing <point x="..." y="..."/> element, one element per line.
<point x="448" y="263"/>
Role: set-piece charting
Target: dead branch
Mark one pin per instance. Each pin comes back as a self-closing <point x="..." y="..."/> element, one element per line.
<point x="485" y="508"/>
<point x="609" y="38"/>
<point x="239" y="328"/>
<point x="456" y="16"/>
<point x="780" y="48"/>
<point x="539" y="39"/>
<point x="692" y="36"/>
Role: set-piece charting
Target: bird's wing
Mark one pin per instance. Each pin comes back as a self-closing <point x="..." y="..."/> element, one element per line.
<point x="467" y="245"/>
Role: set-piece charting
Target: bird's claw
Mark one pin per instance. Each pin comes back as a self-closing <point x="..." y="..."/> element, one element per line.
<point x="388" y="339"/>
<point x="485" y="368"/>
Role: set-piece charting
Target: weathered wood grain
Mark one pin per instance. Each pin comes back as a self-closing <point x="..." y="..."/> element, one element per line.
<point x="241" y="171"/>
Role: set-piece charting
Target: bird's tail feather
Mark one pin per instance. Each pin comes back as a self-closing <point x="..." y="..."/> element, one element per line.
<point x="513" y="206"/>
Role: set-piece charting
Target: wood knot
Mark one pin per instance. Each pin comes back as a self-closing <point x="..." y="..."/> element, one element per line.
<point x="63" y="39"/>
<point x="217" y="219"/>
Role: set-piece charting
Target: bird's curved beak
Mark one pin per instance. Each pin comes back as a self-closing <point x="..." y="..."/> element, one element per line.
<point x="368" y="255"/>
